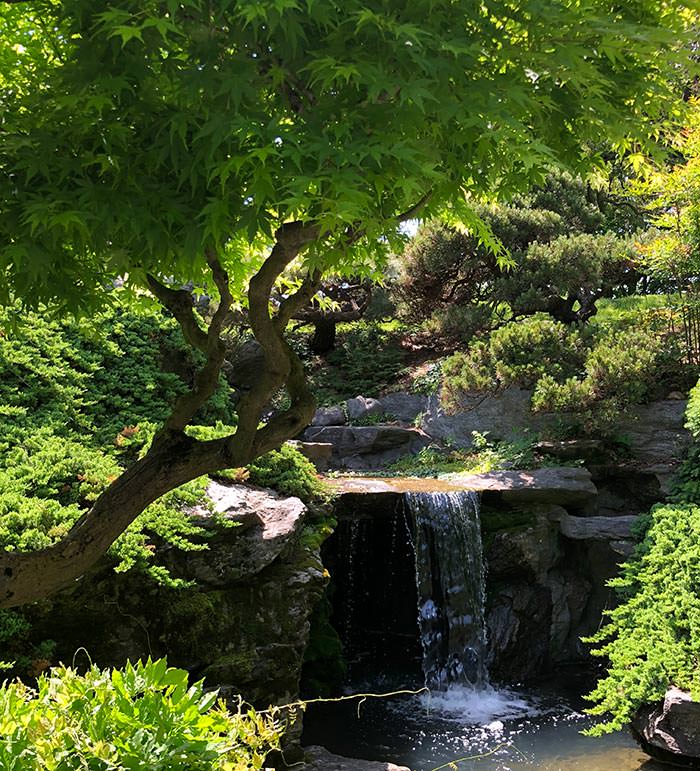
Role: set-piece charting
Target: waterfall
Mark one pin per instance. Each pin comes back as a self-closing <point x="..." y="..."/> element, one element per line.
<point x="450" y="582"/>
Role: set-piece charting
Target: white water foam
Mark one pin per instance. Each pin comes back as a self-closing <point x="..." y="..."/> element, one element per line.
<point x="486" y="707"/>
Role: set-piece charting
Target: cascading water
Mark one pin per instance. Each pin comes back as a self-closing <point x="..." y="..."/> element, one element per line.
<point x="450" y="583"/>
<point x="431" y="541"/>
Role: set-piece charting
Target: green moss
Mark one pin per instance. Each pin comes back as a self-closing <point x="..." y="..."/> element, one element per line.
<point x="324" y="666"/>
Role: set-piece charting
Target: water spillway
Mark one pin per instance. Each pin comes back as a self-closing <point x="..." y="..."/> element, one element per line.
<point x="450" y="588"/>
<point x="407" y="586"/>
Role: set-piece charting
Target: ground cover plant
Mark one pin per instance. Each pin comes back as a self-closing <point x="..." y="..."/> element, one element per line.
<point x="651" y="640"/>
<point x="143" y="716"/>
<point x="80" y="403"/>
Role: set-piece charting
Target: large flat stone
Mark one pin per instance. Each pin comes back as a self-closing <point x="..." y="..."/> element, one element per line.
<point x="319" y="759"/>
<point x="597" y="528"/>
<point x="367" y="446"/>
<point x="561" y="485"/>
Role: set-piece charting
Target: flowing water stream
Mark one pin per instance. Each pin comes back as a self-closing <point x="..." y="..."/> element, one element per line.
<point x="451" y="588"/>
<point x="463" y="722"/>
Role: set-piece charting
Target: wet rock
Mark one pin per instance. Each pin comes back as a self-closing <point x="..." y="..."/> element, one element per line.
<point x="319" y="759"/>
<point x="329" y="416"/>
<point x="670" y="729"/>
<point x="361" y="407"/>
<point x="561" y="485"/>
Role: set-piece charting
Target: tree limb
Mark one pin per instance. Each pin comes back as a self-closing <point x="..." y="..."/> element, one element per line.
<point x="206" y="379"/>
<point x="175" y="458"/>
<point x="180" y="303"/>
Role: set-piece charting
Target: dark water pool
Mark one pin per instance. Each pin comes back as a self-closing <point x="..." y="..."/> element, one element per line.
<point x="493" y="730"/>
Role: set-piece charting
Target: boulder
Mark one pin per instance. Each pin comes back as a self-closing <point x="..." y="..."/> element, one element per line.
<point x="670" y="729"/>
<point x="356" y="447"/>
<point x="319" y="453"/>
<point x="319" y="759"/>
<point x="329" y="416"/>
<point x="596" y="528"/>
<point x="657" y="437"/>
<point x="404" y="406"/>
<point x="361" y="407"/>
<point x="270" y="523"/>
<point x="503" y="416"/>
<point x="245" y="624"/>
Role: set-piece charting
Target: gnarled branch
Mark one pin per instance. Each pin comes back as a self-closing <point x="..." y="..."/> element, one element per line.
<point x="175" y="458"/>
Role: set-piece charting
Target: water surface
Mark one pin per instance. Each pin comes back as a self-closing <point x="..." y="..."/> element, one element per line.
<point x="492" y="730"/>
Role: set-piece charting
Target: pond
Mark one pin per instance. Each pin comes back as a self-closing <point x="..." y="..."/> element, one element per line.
<point x="490" y="730"/>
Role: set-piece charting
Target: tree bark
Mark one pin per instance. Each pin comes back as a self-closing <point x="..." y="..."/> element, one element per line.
<point x="323" y="339"/>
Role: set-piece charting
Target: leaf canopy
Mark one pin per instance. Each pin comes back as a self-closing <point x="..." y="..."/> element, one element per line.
<point x="136" y="135"/>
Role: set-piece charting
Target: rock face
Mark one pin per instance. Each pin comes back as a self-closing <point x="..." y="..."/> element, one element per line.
<point x="504" y="416"/>
<point x="357" y="447"/>
<point x="319" y="759"/>
<point x="670" y="730"/>
<point x="329" y="416"/>
<point x="404" y="406"/>
<point x="244" y="626"/>
<point x="360" y="408"/>
<point x="657" y="437"/>
<point x="319" y="453"/>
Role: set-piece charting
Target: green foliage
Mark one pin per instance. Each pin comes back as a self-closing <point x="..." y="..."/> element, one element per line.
<point x="447" y="278"/>
<point x="524" y="351"/>
<point x="567" y="275"/>
<point x="671" y="256"/>
<point x="484" y="456"/>
<point x="365" y="361"/>
<point x="652" y="638"/>
<point x="451" y="285"/>
<point x="69" y="393"/>
<point x="692" y="414"/>
<point x="137" y="137"/>
<point x="144" y="716"/>
<point x="289" y="472"/>
<point x="621" y="369"/>
<point x="588" y="376"/>
<point x="518" y="353"/>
